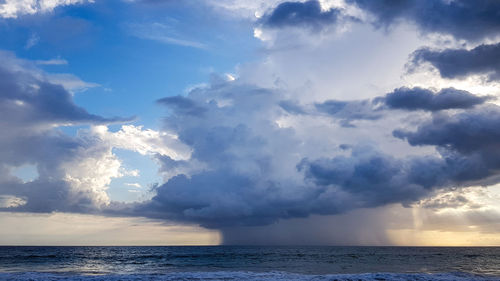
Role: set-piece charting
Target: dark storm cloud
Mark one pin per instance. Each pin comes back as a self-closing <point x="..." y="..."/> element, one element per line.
<point x="254" y="172"/>
<point x="423" y="99"/>
<point x="468" y="145"/>
<point x="464" y="19"/>
<point x="373" y="178"/>
<point x="460" y="63"/>
<point x="300" y="14"/>
<point x="467" y="140"/>
<point x="466" y="132"/>
<point x="377" y="179"/>
<point x="239" y="145"/>
<point x="221" y="198"/>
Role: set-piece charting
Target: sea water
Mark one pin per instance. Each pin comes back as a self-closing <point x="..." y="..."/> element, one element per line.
<point x="249" y="263"/>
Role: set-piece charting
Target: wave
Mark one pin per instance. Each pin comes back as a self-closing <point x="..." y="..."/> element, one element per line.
<point x="238" y="275"/>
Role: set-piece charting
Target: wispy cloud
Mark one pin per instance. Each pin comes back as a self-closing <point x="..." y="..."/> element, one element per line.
<point x="56" y="61"/>
<point x="32" y="41"/>
<point x="136" y="185"/>
<point x="162" y="33"/>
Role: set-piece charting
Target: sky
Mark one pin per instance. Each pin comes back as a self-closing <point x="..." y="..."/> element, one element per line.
<point x="206" y="122"/>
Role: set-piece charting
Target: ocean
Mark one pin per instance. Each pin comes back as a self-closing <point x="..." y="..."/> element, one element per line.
<point x="250" y="263"/>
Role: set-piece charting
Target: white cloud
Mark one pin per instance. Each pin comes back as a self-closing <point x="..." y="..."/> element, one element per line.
<point x="144" y="141"/>
<point x="94" y="165"/>
<point x="136" y="185"/>
<point x="15" y="8"/>
<point x="92" y="169"/>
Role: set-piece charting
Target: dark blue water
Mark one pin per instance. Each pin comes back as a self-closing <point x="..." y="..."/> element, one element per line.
<point x="249" y="263"/>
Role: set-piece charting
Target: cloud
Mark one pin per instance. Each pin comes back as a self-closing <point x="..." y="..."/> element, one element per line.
<point x="301" y="14"/>
<point x="70" y="82"/>
<point x="57" y="61"/>
<point x="9" y="201"/>
<point x="467" y="153"/>
<point x="373" y="178"/>
<point x="464" y="19"/>
<point x="144" y="141"/>
<point x="162" y="33"/>
<point x="467" y="132"/>
<point x="239" y="149"/>
<point x="243" y="8"/>
<point x="292" y="107"/>
<point x="32" y="41"/>
<point x="348" y="111"/>
<point x="182" y="105"/>
<point x="449" y="200"/>
<point x="28" y="68"/>
<point x="408" y="99"/>
<point x="460" y="63"/>
<point x="15" y="8"/>
<point x="423" y="99"/>
<point x="136" y="185"/>
<point x="237" y="153"/>
<point x="28" y="101"/>
<point x="252" y="171"/>
<point x="73" y="172"/>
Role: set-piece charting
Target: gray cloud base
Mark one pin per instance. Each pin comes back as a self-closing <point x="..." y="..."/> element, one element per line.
<point x="461" y="63"/>
<point x="423" y="99"/>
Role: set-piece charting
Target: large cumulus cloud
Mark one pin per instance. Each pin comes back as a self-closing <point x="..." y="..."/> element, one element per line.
<point x="239" y="156"/>
<point x="244" y="155"/>
<point x="32" y="110"/>
<point x="247" y="168"/>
